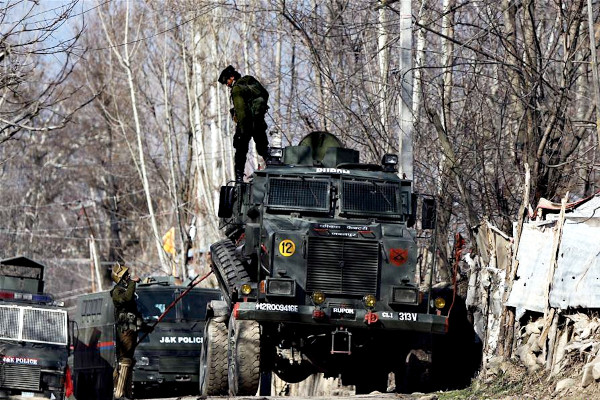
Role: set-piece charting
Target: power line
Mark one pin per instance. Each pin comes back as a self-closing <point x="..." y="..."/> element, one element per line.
<point x="154" y="34"/>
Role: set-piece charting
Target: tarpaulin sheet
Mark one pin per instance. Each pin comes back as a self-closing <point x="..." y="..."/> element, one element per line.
<point x="530" y="285"/>
<point x="590" y="209"/>
<point x="576" y="280"/>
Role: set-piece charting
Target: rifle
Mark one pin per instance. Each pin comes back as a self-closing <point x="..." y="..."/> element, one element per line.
<point x="191" y="285"/>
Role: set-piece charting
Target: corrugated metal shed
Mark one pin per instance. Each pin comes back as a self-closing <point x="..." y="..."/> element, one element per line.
<point x="577" y="277"/>
<point x="534" y="260"/>
<point x="576" y="280"/>
<point x="589" y="209"/>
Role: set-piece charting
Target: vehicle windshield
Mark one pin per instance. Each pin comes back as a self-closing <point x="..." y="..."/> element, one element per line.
<point x="194" y="304"/>
<point x="33" y="324"/>
<point x="370" y="197"/>
<point x="152" y="303"/>
<point x="299" y="193"/>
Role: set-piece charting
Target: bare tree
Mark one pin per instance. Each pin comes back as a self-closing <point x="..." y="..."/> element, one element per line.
<point x="32" y="94"/>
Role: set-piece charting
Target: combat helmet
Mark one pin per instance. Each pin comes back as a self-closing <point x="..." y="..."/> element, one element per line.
<point x="118" y="272"/>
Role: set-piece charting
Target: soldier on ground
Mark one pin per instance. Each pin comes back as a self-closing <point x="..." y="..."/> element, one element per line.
<point x="249" y="99"/>
<point x="128" y="321"/>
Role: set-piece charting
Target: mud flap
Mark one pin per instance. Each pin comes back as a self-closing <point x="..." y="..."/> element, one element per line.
<point x="341" y="342"/>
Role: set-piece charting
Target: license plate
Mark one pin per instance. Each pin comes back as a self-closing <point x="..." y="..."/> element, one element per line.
<point x="27" y="394"/>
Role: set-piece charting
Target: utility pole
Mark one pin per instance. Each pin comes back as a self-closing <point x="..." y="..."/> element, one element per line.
<point x="405" y="139"/>
<point x="95" y="262"/>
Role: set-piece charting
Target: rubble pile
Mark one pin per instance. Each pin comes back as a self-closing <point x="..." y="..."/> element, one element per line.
<point x="573" y="362"/>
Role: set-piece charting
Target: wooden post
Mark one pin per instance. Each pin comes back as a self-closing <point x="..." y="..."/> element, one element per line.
<point x="92" y="266"/>
<point x="507" y="323"/>
<point x="95" y="266"/>
<point x="549" y="311"/>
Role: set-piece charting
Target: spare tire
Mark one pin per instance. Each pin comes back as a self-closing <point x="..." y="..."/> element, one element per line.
<point x="227" y="267"/>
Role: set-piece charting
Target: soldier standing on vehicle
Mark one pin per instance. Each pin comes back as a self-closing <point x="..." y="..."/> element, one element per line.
<point x="128" y="321"/>
<point x="249" y="99"/>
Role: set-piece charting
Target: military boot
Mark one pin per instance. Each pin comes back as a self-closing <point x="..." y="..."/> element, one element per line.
<point x="123" y="378"/>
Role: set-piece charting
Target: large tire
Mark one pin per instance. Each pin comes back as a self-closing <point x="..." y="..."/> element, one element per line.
<point x="227" y="266"/>
<point x="213" y="359"/>
<point x="243" y="357"/>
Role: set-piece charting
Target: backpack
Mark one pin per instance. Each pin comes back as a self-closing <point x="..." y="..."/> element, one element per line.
<point x="255" y="94"/>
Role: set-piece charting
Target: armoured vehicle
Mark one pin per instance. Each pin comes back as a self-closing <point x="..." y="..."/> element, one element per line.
<point x="34" y="339"/>
<point x="319" y="273"/>
<point x="166" y="359"/>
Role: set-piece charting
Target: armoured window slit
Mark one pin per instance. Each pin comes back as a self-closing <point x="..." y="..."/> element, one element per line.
<point x="31" y="324"/>
<point x="298" y="194"/>
<point x="364" y="197"/>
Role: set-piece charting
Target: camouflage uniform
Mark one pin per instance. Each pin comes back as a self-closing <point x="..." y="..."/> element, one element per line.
<point x="127" y="318"/>
<point x="128" y="321"/>
<point x="249" y="99"/>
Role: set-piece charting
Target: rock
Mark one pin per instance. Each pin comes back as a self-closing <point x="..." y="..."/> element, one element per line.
<point x="585" y="333"/>
<point x="588" y="376"/>
<point x="581" y="322"/>
<point x="564" y="384"/>
<point x="596" y="371"/>
<point x="494" y="366"/>
<point x="531" y="362"/>
<point x="533" y="343"/>
<point x="521" y="352"/>
<point x="534" y="327"/>
<point x="559" y="352"/>
<point x="579" y="318"/>
<point x="581" y="347"/>
<point x="541" y="359"/>
<point x="429" y="397"/>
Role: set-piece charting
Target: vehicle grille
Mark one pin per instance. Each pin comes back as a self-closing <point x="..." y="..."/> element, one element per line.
<point x="31" y="324"/>
<point x="298" y="194"/>
<point x="26" y="377"/>
<point x="180" y="365"/>
<point x="365" y="197"/>
<point x="342" y="266"/>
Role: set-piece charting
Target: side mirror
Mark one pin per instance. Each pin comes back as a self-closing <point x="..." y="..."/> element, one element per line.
<point x="73" y="334"/>
<point x="226" y="199"/>
<point x="428" y="214"/>
<point x="412" y="218"/>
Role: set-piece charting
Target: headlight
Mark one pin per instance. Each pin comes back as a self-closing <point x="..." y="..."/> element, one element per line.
<point x="143" y="361"/>
<point x="369" y="301"/>
<point x="281" y="287"/>
<point x="275" y="155"/>
<point x="389" y="159"/>
<point x="389" y="162"/>
<point x="276" y="152"/>
<point x="404" y="295"/>
<point x="318" y="298"/>
<point x="439" y="303"/>
<point x="246" y="289"/>
<point x="53" y="380"/>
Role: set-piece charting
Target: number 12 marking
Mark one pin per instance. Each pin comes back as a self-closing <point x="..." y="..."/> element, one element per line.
<point x="287" y="248"/>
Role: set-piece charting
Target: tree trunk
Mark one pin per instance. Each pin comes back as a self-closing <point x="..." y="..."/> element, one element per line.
<point x="125" y="62"/>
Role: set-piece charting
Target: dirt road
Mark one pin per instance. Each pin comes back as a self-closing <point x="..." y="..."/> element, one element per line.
<point x="373" y="396"/>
